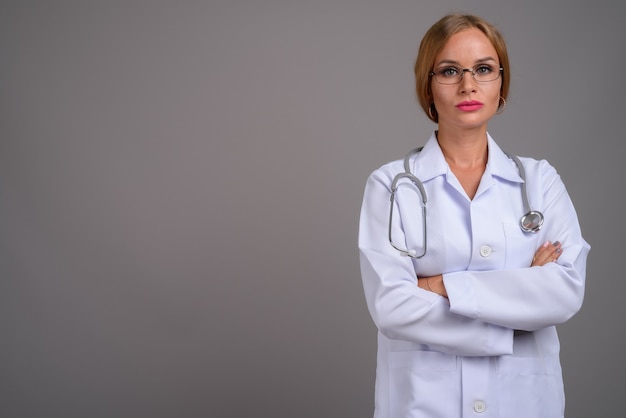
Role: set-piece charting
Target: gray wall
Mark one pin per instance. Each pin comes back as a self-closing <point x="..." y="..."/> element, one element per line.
<point x="180" y="185"/>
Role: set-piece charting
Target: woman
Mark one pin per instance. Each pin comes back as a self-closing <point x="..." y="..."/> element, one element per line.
<point x="467" y="323"/>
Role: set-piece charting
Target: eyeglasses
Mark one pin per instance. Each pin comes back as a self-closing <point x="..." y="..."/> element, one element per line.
<point x="482" y="73"/>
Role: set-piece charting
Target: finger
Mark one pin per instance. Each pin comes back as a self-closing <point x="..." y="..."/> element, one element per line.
<point x="558" y="250"/>
<point x="540" y="254"/>
<point x="547" y="253"/>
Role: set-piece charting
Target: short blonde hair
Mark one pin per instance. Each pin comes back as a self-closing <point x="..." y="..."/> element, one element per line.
<point x="434" y="41"/>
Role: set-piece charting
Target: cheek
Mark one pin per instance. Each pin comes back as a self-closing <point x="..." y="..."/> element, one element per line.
<point x="440" y="97"/>
<point x="491" y="95"/>
<point x="496" y="98"/>
<point x="498" y="90"/>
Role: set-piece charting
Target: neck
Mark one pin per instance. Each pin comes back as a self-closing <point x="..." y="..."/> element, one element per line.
<point x="465" y="150"/>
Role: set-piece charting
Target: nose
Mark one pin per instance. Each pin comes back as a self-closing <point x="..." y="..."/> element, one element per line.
<point x="467" y="81"/>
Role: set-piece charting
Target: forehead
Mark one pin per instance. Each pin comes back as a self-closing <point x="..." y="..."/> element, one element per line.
<point x="467" y="47"/>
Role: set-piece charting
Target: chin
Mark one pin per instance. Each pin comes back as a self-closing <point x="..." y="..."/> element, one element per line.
<point x="472" y="123"/>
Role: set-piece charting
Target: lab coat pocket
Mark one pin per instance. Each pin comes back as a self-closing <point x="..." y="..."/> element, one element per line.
<point x="514" y="365"/>
<point x="417" y="379"/>
<point x="531" y="386"/>
<point x="520" y="246"/>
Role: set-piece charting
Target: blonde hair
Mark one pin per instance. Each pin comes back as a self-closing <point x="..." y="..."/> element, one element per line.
<point x="434" y="41"/>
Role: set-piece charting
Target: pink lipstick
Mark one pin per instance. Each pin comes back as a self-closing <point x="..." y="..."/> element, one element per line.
<point x="469" y="105"/>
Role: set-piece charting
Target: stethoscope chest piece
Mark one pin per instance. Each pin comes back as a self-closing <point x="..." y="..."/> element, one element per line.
<point x="532" y="221"/>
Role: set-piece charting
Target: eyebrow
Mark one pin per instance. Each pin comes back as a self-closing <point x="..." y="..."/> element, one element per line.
<point x="452" y="62"/>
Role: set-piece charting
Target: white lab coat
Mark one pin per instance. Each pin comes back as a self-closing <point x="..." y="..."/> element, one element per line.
<point x="491" y="349"/>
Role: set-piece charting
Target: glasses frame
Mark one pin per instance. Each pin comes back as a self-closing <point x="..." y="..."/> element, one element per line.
<point x="462" y="72"/>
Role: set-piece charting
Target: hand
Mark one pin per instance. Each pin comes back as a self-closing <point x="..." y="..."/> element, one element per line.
<point x="433" y="284"/>
<point x="547" y="253"/>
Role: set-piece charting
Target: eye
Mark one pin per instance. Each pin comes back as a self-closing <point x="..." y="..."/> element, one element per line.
<point x="448" y="72"/>
<point x="483" y="70"/>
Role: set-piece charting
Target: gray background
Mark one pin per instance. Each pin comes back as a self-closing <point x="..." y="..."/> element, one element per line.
<point x="180" y="185"/>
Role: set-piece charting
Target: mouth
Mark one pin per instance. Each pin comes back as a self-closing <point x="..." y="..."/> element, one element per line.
<point x="470" y="105"/>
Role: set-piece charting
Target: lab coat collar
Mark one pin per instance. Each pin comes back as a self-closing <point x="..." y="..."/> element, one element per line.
<point x="500" y="165"/>
<point x="430" y="162"/>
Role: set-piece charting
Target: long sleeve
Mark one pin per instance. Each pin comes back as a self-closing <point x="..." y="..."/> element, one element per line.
<point x="530" y="298"/>
<point x="479" y="248"/>
<point x="398" y="307"/>
<point x="468" y="346"/>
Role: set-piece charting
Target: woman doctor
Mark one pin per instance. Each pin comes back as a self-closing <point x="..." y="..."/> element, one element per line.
<point x="467" y="324"/>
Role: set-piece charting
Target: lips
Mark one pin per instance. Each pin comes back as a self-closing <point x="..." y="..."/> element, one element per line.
<point x="469" y="105"/>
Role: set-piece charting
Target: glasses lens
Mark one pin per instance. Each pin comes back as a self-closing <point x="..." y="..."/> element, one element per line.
<point x="448" y="75"/>
<point x="484" y="73"/>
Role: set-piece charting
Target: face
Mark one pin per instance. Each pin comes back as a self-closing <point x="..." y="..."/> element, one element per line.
<point x="468" y="104"/>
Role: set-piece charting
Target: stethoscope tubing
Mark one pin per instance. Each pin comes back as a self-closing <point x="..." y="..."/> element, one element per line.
<point x="530" y="222"/>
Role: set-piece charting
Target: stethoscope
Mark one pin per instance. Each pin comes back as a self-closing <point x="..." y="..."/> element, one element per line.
<point x="530" y="222"/>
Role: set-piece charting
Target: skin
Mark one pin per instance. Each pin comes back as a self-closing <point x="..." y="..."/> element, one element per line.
<point x="462" y="135"/>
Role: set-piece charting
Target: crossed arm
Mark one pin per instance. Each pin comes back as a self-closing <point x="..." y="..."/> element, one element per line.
<point x="547" y="253"/>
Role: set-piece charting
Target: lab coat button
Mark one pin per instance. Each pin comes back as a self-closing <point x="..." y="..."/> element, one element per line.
<point x="480" y="407"/>
<point x="485" y="251"/>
